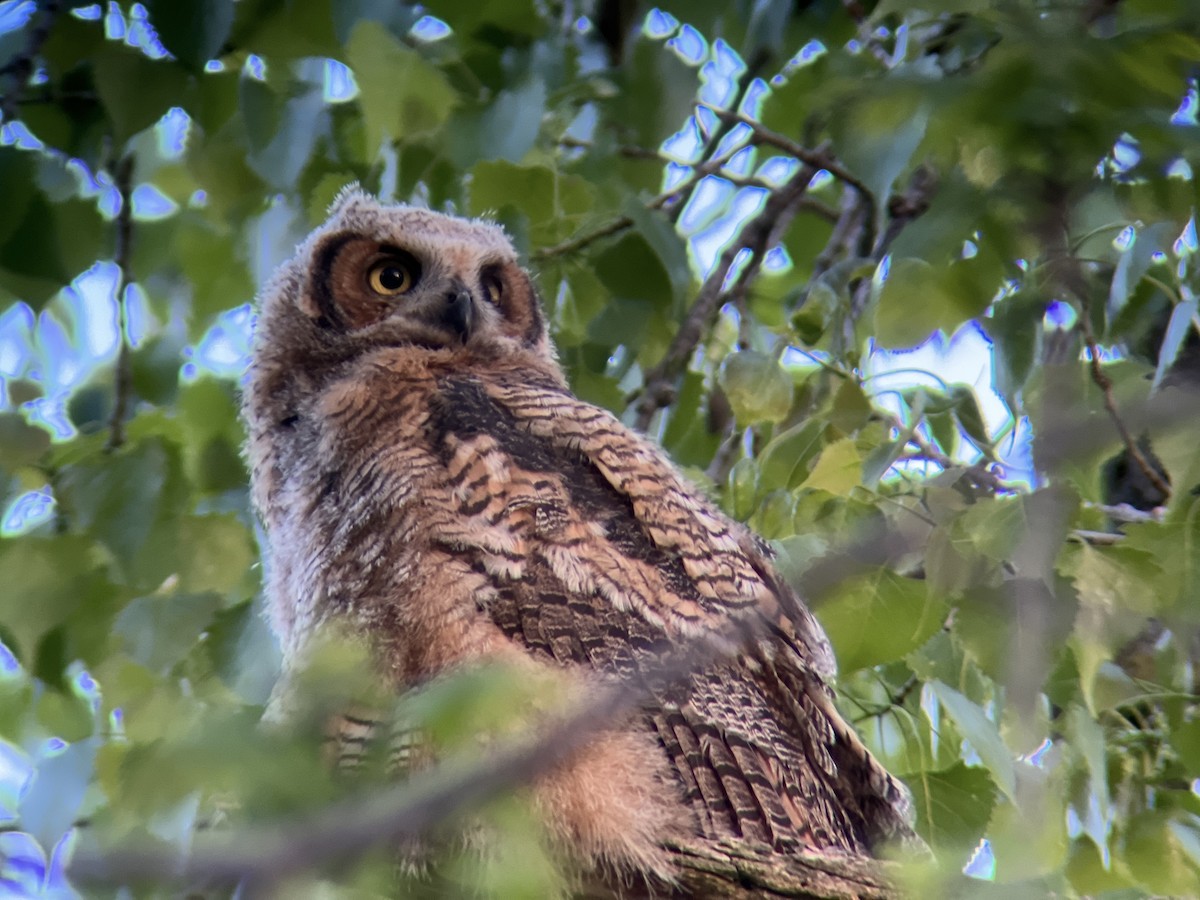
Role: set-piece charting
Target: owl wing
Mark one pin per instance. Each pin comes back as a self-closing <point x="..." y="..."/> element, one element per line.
<point x="602" y="556"/>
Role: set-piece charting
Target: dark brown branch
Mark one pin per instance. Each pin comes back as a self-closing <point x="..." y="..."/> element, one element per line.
<point x="1102" y="381"/>
<point x="122" y="175"/>
<point x="19" y="70"/>
<point x="757" y="236"/>
<point x="819" y="159"/>
<point x="735" y="872"/>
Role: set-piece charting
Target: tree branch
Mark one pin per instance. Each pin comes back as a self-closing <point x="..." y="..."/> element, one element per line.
<point x="1102" y="381"/>
<point x="699" y="172"/>
<point x="122" y="175"/>
<point x="978" y="472"/>
<point x="266" y="855"/>
<point x="757" y="235"/>
<point x="818" y="159"/>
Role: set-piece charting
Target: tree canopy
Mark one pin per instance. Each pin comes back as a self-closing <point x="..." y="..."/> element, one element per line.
<point x="743" y="218"/>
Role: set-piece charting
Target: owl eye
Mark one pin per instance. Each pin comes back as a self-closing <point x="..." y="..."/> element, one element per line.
<point x="391" y="277"/>
<point x="493" y="287"/>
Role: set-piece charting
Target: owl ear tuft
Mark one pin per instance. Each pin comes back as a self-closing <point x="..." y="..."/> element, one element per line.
<point x="348" y="197"/>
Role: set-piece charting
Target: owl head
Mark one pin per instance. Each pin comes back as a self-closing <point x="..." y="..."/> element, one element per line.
<point x="397" y="275"/>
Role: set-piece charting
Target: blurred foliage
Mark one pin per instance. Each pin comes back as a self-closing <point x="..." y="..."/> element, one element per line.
<point x="1018" y="169"/>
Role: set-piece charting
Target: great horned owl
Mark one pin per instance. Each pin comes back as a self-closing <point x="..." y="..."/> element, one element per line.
<point x="426" y="475"/>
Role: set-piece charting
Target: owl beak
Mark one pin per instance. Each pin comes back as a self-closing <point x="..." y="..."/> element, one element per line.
<point x="460" y="312"/>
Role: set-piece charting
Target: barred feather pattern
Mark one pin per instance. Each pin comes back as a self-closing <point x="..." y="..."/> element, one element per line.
<point x="445" y="493"/>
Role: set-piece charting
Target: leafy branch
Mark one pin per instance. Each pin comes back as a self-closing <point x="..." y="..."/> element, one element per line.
<point x="269" y="854"/>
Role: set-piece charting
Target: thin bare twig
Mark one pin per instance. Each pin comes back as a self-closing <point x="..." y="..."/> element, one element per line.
<point x="629" y="151"/>
<point x="19" y="69"/>
<point x="1102" y="381"/>
<point x="619" y="224"/>
<point x="978" y="472"/>
<point x="122" y="175"/>
<point x="818" y="159"/>
<point x="757" y="235"/>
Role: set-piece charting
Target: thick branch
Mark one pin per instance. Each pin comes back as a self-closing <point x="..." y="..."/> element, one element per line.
<point x="266" y="855"/>
<point x="122" y="175"/>
<point x="734" y="871"/>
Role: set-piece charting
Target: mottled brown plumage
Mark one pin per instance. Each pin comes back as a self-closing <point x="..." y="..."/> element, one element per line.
<point x="425" y="475"/>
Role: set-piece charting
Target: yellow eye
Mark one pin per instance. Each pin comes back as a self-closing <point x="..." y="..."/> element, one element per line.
<point x="494" y="288"/>
<point x="390" y="277"/>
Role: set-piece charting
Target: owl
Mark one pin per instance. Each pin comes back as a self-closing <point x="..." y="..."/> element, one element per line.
<point x="427" y="479"/>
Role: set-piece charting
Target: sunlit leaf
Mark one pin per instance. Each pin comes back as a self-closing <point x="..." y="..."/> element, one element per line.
<point x="403" y="96"/>
<point x="878" y="617"/>
<point x="981" y="733"/>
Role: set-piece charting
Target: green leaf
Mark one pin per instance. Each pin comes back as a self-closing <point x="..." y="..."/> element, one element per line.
<point x="221" y="552"/>
<point x="403" y="96"/>
<point x="214" y="266"/>
<point x="244" y="652"/>
<point x="52" y="244"/>
<point x="775" y="514"/>
<point x="969" y="416"/>
<point x="44" y="583"/>
<point x="553" y="202"/>
<point x="135" y="89"/>
<point x="1157" y="854"/>
<point x="953" y="806"/>
<point x="878" y="617"/>
<point x="117" y="498"/>
<point x="282" y="123"/>
<point x="1087" y="740"/>
<point x="194" y="31"/>
<point x="741" y="497"/>
<point x="838" y="469"/>
<point x="20" y="443"/>
<point x="1014" y="328"/>
<point x="784" y="461"/>
<point x="982" y="734"/>
<point x="506" y="127"/>
<point x="18" y="186"/>
<point x="1179" y="326"/>
<point x="758" y="388"/>
<point x="1136" y="261"/>
<point x="909" y="304"/>
<point x="55" y="795"/>
<point x="159" y="630"/>
<point x="878" y="134"/>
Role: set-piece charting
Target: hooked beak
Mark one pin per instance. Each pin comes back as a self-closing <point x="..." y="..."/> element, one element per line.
<point x="459" y="313"/>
